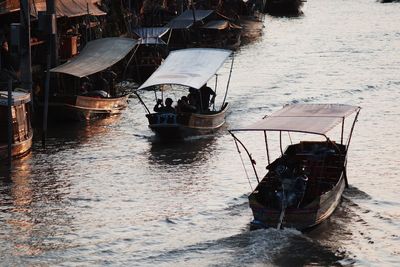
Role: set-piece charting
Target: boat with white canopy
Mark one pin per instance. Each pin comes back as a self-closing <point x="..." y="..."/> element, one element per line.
<point x="303" y="186"/>
<point x="86" y="84"/>
<point x="187" y="69"/>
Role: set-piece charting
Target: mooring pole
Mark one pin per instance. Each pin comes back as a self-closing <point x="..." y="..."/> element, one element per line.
<point x="10" y="120"/>
<point x="52" y="34"/>
<point x="25" y="47"/>
<point x="52" y="61"/>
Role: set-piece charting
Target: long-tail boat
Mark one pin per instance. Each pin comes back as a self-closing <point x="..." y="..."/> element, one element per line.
<point x="304" y="185"/>
<point x="187" y="69"/>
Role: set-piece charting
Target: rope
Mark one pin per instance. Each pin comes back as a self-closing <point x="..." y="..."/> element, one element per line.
<point x="244" y="166"/>
<point x="290" y="138"/>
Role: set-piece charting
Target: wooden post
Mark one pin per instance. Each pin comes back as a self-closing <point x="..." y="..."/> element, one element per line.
<point x="52" y="38"/>
<point x="25" y="47"/>
<point x="10" y="123"/>
<point x="52" y="61"/>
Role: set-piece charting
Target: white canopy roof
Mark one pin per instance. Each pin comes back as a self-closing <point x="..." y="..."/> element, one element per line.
<point x="97" y="55"/>
<point x="306" y="118"/>
<point x="188" y="67"/>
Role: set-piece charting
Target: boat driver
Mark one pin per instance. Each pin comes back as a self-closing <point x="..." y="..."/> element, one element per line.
<point x="205" y="94"/>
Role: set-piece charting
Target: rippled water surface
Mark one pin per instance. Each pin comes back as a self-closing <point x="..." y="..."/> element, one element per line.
<point x="109" y="193"/>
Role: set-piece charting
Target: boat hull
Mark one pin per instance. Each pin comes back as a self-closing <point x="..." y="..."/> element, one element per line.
<point x="300" y="218"/>
<point x="172" y="126"/>
<point x="18" y="149"/>
<point x="85" y="108"/>
<point x="302" y="188"/>
<point x="283" y="7"/>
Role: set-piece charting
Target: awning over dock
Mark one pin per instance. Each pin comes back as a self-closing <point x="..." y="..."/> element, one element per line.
<point x="97" y="55"/>
<point x="72" y="8"/>
<point x="64" y="8"/>
<point x="188" y="67"/>
<point x="187" y="18"/>
<point x="305" y="118"/>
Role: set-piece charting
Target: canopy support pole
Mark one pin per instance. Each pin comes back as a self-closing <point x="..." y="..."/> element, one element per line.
<point x="215" y="88"/>
<point x="347" y="148"/>
<point x="129" y="62"/>
<point x="141" y="101"/>
<point x="280" y="142"/>
<point x="266" y="146"/>
<point x="341" y="136"/>
<point x="229" y="80"/>
<point x="253" y="162"/>
<point x="10" y="119"/>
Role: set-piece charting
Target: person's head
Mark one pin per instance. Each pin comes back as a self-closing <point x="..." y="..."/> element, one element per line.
<point x="168" y="102"/>
<point x="184" y="99"/>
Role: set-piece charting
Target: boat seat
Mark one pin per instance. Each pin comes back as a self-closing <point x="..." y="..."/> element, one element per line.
<point x="166" y="118"/>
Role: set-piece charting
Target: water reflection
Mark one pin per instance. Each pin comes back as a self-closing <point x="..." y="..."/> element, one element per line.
<point x="188" y="151"/>
<point x="69" y="135"/>
<point x="33" y="215"/>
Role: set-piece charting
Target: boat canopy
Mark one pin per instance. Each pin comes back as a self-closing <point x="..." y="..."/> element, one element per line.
<point x="97" y="55"/>
<point x="151" y="35"/>
<point x="188" y="18"/>
<point x="70" y="9"/>
<point x="220" y="25"/>
<point x="191" y="67"/>
<point x="18" y="98"/>
<point x="305" y="118"/>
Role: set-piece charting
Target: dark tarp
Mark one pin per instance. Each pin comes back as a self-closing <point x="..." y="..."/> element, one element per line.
<point x="306" y="118"/>
<point x="151" y="35"/>
<point x="97" y="55"/>
<point x="186" y="20"/>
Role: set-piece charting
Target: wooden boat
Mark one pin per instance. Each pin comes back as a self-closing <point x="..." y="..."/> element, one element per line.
<point x="21" y="124"/>
<point x="85" y="86"/>
<point x="187" y="68"/>
<point x="304" y="185"/>
<point x="284" y="7"/>
<point x="151" y="51"/>
<point x="203" y="28"/>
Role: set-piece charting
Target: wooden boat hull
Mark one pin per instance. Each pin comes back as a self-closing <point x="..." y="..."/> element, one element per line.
<point x="301" y="219"/>
<point x="168" y="126"/>
<point x="308" y="179"/>
<point x="22" y="133"/>
<point x="283" y="7"/>
<point x="18" y="149"/>
<point x="85" y="108"/>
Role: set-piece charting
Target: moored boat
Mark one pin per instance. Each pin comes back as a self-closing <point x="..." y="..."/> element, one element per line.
<point x="284" y="7"/>
<point x="85" y="86"/>
<point x="22" y="133"/>
<point x="304" y="185"/>
<point x="195" y="114"/>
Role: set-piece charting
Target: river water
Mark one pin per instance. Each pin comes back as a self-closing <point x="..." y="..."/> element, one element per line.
<point x="110" y="194"/>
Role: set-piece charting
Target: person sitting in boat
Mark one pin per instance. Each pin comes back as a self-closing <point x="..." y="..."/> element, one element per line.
<point x="167" y="108"/>
<point x="184" y="106"/>
<point x="205" y="94"/>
